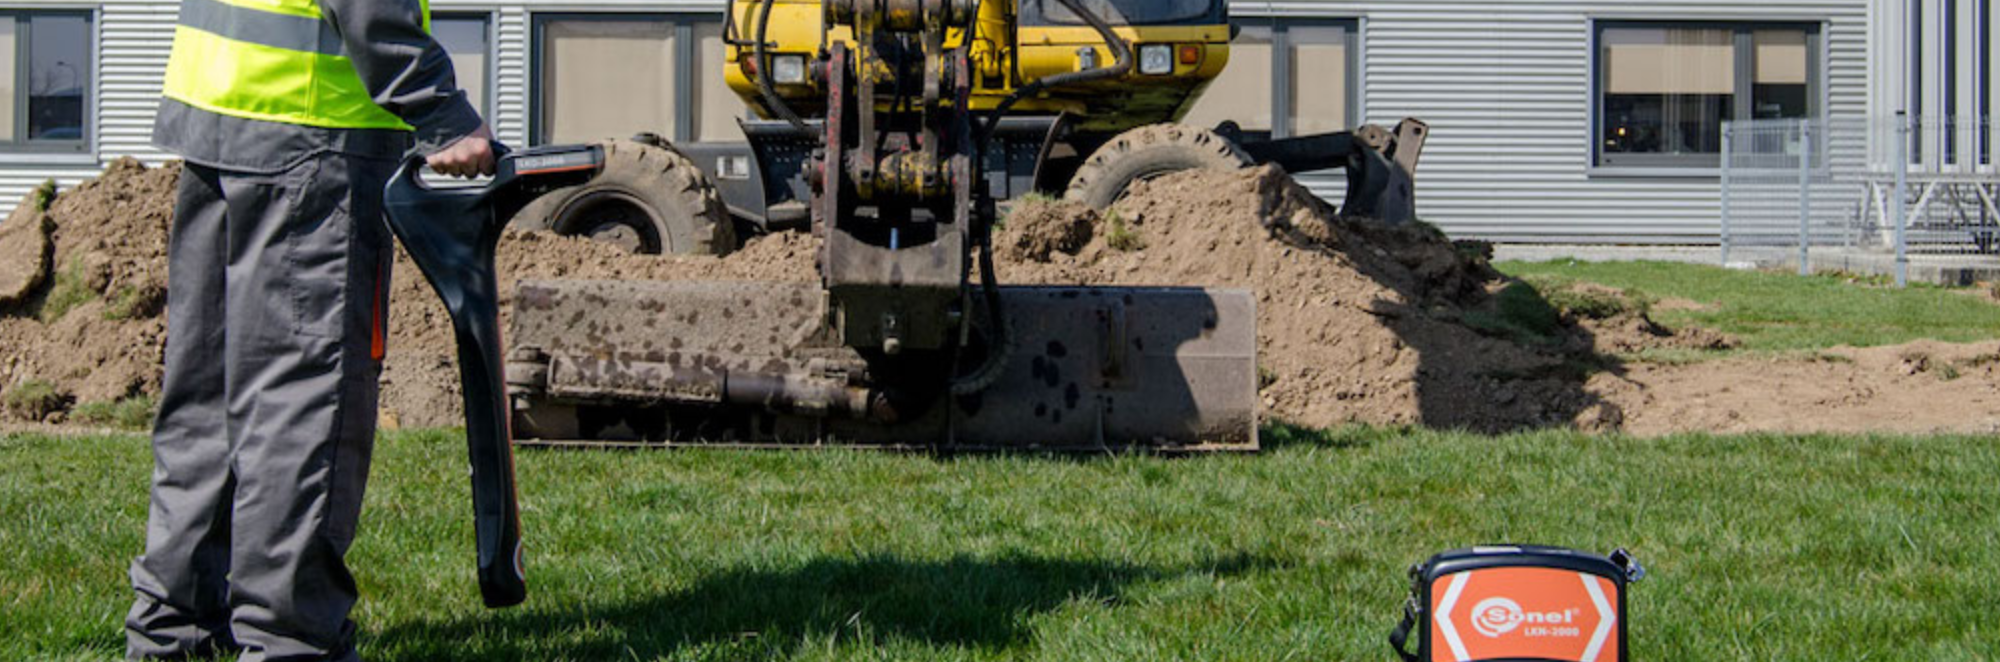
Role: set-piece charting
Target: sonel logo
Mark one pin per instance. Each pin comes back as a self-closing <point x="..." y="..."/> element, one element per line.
<point x="1497" y="616"/>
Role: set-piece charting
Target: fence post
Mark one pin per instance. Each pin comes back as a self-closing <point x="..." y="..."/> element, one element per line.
<point x="1728" y="141"/>
<point x="1902" y="197"/>
<point x="1805" y="196"/>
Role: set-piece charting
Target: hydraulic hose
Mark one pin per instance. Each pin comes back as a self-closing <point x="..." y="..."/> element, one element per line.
<point x="765" y="86"/>
<point x="983" y="232"/>
<point x="999" y="338"/>
<point x="1121" y="53"/>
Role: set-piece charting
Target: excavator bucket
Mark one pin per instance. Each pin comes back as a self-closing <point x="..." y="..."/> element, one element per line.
<point x="755" y="364"/>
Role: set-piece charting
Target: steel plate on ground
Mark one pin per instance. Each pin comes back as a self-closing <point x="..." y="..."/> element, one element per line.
<point x="1087" y="368"/>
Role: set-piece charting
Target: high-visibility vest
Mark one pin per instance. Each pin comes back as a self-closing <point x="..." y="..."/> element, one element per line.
<point x="272" y="60"/>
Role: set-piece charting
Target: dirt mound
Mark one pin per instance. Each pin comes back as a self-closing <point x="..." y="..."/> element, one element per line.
<point x="93" y="329"/>
<point x="1358" y="322"/>
<point x="1619" y="322"/>
<point x="1635" y="333"/>
<point x="1036" y="231"/>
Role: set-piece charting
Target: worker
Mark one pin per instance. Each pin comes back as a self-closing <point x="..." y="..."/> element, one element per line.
<point x="291" y="116"/>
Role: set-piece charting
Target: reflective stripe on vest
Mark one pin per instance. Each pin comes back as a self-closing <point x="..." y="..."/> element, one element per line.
<point x="272" y="60"/>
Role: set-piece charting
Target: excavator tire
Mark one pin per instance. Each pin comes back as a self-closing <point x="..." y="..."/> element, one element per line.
<point x="1147" y="152"/>
<point x="649" y="199"/>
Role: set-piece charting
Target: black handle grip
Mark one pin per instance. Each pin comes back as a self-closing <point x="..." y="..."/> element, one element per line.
<point x="453" y="234"/>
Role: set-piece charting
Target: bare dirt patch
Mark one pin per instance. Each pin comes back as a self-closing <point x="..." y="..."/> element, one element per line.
<point x="1358" y="322"/>
<point x="1919" y="388"/>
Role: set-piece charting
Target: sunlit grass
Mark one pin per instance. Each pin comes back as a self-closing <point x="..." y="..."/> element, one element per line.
<point x="1761" y="547"/>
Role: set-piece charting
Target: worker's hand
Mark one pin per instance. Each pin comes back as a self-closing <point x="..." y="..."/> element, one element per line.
<point x="471" y="156"/>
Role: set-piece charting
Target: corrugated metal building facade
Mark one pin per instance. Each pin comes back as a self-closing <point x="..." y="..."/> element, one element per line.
<point x="1512" y="90"/>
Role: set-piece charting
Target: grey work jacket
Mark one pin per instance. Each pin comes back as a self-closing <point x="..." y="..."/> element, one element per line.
<point x="405" y="70"/>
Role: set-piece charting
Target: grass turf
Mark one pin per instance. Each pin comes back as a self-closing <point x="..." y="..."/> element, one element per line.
<point x="1761" y="547"/>
<point x="1782" y="312"/>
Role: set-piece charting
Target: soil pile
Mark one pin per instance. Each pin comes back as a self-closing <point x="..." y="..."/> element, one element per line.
<point x="1358" y="321"/>
<point x="92" y="327"/>
<point x="1037" y="231"/>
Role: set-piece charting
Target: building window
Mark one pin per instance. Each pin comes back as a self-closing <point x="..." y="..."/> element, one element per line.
<point x="1285" y="78"/>
<point x="614" y="76"/>
<point x="1664" y="89"/>
<point x="468" y="38"/>
<point x="45" y="78"/>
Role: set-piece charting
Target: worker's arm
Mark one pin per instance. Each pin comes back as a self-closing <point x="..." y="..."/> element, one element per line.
<point x="410" y="75"/>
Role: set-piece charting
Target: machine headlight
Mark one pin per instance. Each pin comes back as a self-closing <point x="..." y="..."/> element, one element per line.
<point x="1156" y="59"/>
<point x="788" y="69"/>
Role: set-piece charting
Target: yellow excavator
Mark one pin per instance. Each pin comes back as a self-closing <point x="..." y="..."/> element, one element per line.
<point x="893" y="130"/>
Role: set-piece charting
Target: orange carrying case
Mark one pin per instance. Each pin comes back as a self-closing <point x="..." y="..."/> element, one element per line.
<point x="1517" y="603"/>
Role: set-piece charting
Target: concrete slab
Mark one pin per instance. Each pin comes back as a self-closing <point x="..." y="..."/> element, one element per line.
<point x="1709" y="255"/>
<point x="1948" y="270"/>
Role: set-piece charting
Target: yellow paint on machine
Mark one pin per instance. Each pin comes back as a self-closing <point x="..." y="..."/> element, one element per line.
<point x="1008" y="55"/>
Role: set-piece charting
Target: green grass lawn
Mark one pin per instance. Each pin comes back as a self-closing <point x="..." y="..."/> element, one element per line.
<point x="1780" y="312"/>
<point x="1761" y="547"/>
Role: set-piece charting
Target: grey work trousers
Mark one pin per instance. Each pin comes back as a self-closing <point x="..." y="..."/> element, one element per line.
<point x="275" y="313"/>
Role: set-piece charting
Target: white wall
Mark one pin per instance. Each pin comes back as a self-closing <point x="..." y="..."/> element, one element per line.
<point x="1893" y="90"/>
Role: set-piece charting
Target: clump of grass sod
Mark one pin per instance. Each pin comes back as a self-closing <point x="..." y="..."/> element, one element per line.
<point x="1120" y="235"/>
<point x="34" y="400"/>
<point x="133" y="413"/>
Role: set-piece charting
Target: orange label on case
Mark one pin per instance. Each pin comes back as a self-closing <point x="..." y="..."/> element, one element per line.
<point x="1517" y="613"/>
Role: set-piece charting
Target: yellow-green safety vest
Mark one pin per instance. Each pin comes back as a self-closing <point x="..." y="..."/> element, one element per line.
<point x="272" y="60"/>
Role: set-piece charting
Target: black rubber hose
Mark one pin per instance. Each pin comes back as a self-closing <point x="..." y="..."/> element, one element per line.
<point x="764" y="83"/>
<point x="983" y="232"/>
<point x="1121" y="65"/>
<point x="999" y="338"/>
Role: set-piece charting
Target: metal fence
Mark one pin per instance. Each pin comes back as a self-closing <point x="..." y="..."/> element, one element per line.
<point x="1888" y="186"/>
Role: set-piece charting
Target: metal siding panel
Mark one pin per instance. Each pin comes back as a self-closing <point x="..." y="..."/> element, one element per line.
<point x="1506" y="88"/>
<point x="1505" y="85"/>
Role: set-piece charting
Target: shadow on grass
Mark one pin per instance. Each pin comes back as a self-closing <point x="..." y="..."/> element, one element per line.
<point x="1280" y="435"/>
<point x="867" y="602"/>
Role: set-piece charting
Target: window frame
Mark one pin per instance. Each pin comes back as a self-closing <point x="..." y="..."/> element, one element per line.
<point x="686" y="78"/>
<point x="1036" y="14"/>
<point x="1283" y="124"/>
<point x="1982" y="64"/>
<point x="489" y="20"/>
<point x="84" y="146"/>
<point x="1743" y="102"/>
